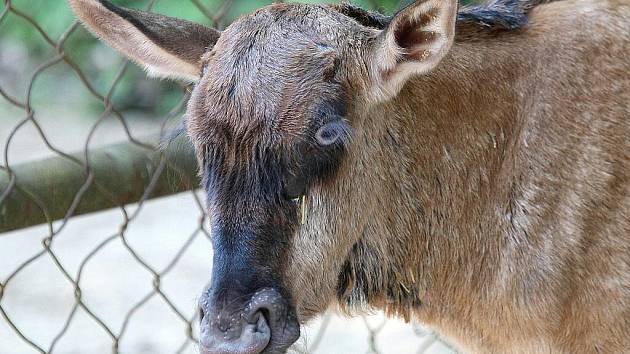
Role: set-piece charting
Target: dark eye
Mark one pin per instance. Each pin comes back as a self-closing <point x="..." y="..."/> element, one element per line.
<point x="295" y="187"/>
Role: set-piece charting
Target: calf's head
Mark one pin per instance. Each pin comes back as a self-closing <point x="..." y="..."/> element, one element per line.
<point x="276" y="120"/>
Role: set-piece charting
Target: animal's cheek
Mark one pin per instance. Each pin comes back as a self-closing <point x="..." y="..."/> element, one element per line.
<point x="304" y="271"/>
<point x="313" y="267"/>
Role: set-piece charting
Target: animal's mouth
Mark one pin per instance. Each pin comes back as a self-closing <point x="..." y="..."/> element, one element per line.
<point x="267" y="324"/>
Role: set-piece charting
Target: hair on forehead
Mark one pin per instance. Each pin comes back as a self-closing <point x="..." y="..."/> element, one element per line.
<point x="262" y="95"/>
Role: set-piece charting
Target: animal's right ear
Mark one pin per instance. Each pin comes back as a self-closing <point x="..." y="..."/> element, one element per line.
<point x="164" y="46"/>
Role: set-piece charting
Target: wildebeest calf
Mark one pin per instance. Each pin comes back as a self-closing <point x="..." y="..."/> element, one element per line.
<point x="468" y="168"/>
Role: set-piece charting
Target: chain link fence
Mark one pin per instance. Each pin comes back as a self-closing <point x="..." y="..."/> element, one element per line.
<point x="57" y="280"/>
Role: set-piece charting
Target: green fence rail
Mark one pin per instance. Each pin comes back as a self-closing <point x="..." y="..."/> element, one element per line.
<point x="59" y="187"/>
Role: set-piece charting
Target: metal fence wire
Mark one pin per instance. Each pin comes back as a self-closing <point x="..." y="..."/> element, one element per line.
<point x="54" y="190"/>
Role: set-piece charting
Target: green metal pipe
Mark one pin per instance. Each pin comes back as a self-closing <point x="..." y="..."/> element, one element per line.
<point x="44" y="191"/>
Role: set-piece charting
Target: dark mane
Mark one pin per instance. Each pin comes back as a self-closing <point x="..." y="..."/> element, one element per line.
<point x="498" y="15"/>
<point x="494" y="15"/>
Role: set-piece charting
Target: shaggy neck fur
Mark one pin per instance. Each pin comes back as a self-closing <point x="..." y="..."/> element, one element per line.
<point x="460" y="157"/>
<point x="456" y="171"/>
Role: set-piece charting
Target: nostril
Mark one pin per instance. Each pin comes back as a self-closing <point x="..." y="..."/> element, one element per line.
<point x="202" y="304"/>
<point x="264" y="312"/>
<point x="260" y="310"/>
<point x="267" y="303"/>
<point x="261" y="322"/>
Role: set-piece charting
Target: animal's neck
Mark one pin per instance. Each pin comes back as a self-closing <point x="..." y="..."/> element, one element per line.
<point x="446" y="144"/>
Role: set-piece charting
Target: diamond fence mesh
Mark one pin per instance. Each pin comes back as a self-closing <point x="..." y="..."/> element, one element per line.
<point x="57" y="289"/>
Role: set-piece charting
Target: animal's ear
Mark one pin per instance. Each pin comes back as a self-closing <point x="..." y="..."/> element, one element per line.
<point x="165" y="46"/>
<point x="414" y="42"/>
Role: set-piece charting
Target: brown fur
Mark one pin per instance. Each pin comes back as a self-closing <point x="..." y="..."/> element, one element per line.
<point x="511" y="195"/>
<point x="488" y="197"/>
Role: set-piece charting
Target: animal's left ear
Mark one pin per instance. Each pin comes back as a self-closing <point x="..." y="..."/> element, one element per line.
<point x="416" y="40"/>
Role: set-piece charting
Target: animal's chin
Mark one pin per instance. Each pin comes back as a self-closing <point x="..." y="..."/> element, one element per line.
<point x="307" y="313"/>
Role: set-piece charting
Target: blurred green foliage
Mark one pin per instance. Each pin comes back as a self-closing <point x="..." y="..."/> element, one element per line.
<point x="134" y="91"/>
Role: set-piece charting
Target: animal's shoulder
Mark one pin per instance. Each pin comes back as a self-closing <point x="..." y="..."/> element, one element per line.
<point x="613" y="11"/>
<point x="586" y="23"/>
